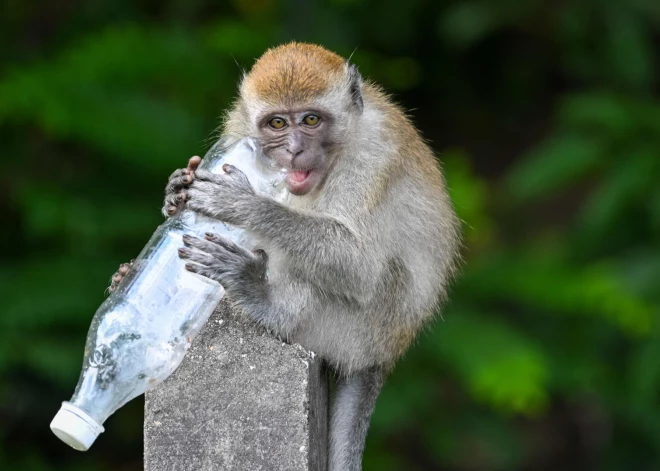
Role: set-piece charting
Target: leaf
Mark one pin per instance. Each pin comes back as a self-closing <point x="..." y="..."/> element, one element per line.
<point x="550" y="285"/>
<point x="466" y="23"/>
<point x="623" y="187"/>
<point x="554" y="165"/>
<point x="628" y="48"/>
<point x="499" y="365"/>
<point x="68" y="289"/>
<point x="644" y="374"/>
<point x="469" y="194"/>
<point x="237" y="39"/>
<point x="111" y="78"/>
<point x="654" y="208"/>
<point x="599" y="112"/>
<point x="50" y="212"/>
<point x="56" y="358"/>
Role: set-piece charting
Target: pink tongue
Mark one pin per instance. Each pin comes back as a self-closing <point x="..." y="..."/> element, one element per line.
<point x="298" y="175"/>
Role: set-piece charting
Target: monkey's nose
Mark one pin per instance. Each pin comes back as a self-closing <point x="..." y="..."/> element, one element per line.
<point x="295" y="151"/>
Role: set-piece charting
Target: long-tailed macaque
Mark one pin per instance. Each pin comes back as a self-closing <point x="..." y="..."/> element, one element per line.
<point x="359" y="258"/>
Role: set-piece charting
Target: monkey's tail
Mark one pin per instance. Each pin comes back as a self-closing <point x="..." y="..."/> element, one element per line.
<point x="353" y="404"/>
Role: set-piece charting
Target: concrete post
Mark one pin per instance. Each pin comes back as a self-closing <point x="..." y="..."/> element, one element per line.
<point x="241" y="400"/>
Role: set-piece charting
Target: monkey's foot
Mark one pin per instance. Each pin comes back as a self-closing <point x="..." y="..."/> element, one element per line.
<point x="119" y="275"/>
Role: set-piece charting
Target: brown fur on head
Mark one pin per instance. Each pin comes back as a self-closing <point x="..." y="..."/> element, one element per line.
<point x="291" y="83"/>
<point x="293" y="73"/>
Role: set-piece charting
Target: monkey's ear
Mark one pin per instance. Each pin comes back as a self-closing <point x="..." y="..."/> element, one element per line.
<point x="355" y="86"/>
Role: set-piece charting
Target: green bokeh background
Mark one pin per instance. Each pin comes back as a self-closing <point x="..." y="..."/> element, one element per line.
<point x="546" y="118"/>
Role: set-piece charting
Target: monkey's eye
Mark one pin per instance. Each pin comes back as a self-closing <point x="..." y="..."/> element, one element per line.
<point x="277" y="123"/>
<point x="311" y="120"/>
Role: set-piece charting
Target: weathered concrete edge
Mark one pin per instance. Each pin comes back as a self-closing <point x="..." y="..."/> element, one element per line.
<point x="315" y="403"/>
<point x="318" y="415"/>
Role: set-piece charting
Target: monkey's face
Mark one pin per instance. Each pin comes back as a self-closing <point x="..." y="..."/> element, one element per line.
<point x="298" y="140"/>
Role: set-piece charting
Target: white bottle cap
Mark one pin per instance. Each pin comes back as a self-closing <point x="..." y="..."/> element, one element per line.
<point x="75" y="427"/>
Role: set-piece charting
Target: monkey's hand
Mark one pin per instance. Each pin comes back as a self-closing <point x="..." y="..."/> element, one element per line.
<point x="175" y="191"/>
<point x="227" y="196"/>
<point x="224" y="261"/>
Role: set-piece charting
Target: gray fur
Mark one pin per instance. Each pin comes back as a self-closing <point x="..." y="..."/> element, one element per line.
<point x="357" y="264"/>
<point x="355" y="87"/>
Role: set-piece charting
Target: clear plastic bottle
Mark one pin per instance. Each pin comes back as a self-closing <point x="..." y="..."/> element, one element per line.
<point x="142" y="331"/>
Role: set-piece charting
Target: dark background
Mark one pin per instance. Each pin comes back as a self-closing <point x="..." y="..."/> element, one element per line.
<point x="546" y="118"/>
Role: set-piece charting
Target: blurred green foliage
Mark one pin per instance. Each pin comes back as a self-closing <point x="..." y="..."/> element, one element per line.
<point x="546" y="119"/>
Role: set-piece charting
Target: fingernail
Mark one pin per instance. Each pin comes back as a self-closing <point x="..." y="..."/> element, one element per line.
<point x="209" y="235"/>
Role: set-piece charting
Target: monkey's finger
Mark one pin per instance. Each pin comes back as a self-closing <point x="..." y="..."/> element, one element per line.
<point x="170" y="210"/>
<point x="229" y="169"/>
<point x="171" y="206"/>
<point x="177" y="173"/>
<point x="226" y="244"/>
<point x="172" y="199"/>
<point x="219" y="254"/>
<point x="235" y="173"/>
<point x="197" y="243"/>
<point x="201" y="258"/>
<point x="206" y="176"/>
<point x="194" y="162"/>
<point x="202" y="270"/>
<point x="181" y="196"/>
<point x="116" y="278"/>
<point x="177" y="182"/>
<point x="123" y="269"/>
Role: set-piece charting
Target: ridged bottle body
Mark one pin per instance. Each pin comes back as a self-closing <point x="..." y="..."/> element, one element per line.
<point x="141" y="332"/>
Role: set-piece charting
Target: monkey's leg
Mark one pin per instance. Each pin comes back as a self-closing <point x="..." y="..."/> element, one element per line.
<point x="352" y="406"/>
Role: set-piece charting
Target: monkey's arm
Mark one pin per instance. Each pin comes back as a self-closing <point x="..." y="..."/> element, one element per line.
<point x="276" y="305"/>
<point x="320" y="245"/>
<point x="321" y="248"/>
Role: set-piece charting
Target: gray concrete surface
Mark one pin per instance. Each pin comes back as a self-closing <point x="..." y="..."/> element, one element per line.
<point x="241" y="400"/>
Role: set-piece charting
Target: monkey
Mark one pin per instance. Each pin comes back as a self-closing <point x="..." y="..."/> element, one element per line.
<point x="359" y="257"/>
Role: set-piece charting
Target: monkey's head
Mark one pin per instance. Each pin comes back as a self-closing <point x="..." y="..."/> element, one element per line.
<point x="301" y="102"/>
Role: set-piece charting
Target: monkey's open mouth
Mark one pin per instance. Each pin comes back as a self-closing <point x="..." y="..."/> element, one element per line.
<point x="298" y="176"/>
<point x="299" y="181"/>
